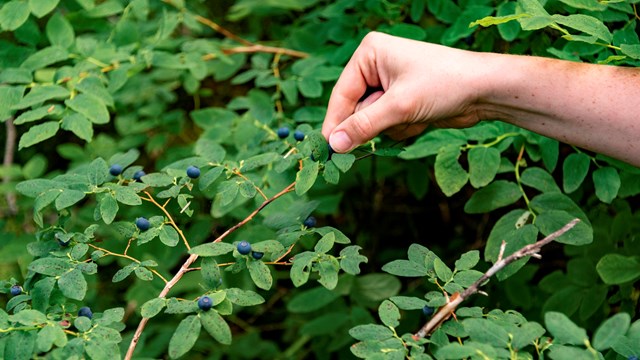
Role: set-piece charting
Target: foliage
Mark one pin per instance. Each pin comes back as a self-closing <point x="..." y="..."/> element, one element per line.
<point x="164" y="85"/>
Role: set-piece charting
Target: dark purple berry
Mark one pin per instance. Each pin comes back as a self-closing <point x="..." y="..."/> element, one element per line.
<point x="298" y="135"/>
<point x="193" y="172"/>
<point x="16" y="290"/>
<point x="310" y="221"/>
<point x="244" y="247"/>
<point x="632" y="357"/>
<point x="205" y="303"/>
<point x="427" y="310"/>
<point x="115" y="170"/>
<point x="283" y="132"/>
<point x="257" y="255"/>
<point x="85" y="311"/>
<point x="138" y="174"/>
<point x="143" y="224"/>
<point x="331" y="152"/>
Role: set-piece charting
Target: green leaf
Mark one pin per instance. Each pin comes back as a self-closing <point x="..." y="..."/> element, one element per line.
<point x="370" y="332"/>
<point x="558" y="201"/>
<point x="343" y="161"/>
<point x="20" y="345"/>
<point x="210" y="272"/>
<point x="209" y="177"/>
<point x="124" y="272"/>
<point x="169" y="236"/>
<point x="433" y="142"/>
<point x="455" y="351"/>
<point x="561" y="352"/>
<point x="539" y="179"/>
<point x="585" y="23"/>
<point x="306" y="177"/>
<point x="260" y="274"/>
<point x="244" y="297"/>
<point x="45" y="57"/>
<point x="450" y="175"/>
<point x="331" y="174"/>
<point x="9" y="96"/>
<point x="311" y="300"/>
<point x="40" y="8"/>
<point x="325" y="243"/>
<point x="389" y="313"/>
<point x="184" y="337"/>
<point x="68" y="197"/>
<point x="350" y="259"/>
<point x="405" y="268"/>
<point x="92" y="108"/>
<point x="227" y="192"/>
<point x="127" y="196"/>
<point x="79" y="125"/>
<point x="610" y="331"/>
<point x="216" y="326"/>
<point x="486" y="331"/>
<point x="526" y="334"/>
<point x="40" y="94"/>
<point x="108" y="208"/>
<point x="574" y="169"/>
<point x="212" y="249"/>
<point x="310" y="87"/>
<point x="29" y="317"/>
<point x="13" y="14"/>
<point x="38" y="133"/>
<point x="300" y="269"/>
<point x="328" y="268"/>
<point x="563" y="330"/>
<point x="442" y="270"/>
<point x="157" y="180"/>
<point x="618" y="269"/>
<point x="143" y="273"/>
<point x="59" y="31"/>
<point x="496" y="20"/>
<point x="483" y="165"/>
<point x="607" y="183"/>
<point x="468" y="260"/>
<point x="408" y="303"/>
<point x="498" y="194"/>
<point x="553" y="220"/>
<point x="73" y="284"/>
<point x="50" y="266"/>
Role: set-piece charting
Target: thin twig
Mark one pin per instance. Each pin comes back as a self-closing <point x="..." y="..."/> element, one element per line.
<point x="265" y="49"/>
<point x="186" y="267"/>
<point x="125" y="256"/>
<point x="171" y="222"/>
<point x="9" y="151"/>
<point x="448" y="309"/>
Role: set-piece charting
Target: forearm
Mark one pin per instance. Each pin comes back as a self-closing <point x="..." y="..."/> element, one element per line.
<point x="590" y="106"/>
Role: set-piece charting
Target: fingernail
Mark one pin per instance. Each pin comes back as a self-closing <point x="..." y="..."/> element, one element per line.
<point x="340" y="142"/>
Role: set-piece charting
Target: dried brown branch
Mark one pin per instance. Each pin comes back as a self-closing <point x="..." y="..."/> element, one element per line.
<point x="9" y="151"/>
<point x="186" y="266"/>
<point x="456" y="299"/>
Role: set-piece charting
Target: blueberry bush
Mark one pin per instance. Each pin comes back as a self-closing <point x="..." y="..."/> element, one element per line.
<point x="166" y="191"/>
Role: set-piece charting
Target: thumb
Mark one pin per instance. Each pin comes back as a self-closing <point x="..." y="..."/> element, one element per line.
<point x="367" y="122"/>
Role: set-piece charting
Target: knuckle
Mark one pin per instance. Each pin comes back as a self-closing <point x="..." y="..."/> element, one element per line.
<point x="362" y="125"/>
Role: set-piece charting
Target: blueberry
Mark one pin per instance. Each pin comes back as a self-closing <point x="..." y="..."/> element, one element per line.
<point x="257" y="255"/>
<point x="427" y="310"/>
<point x="205" y="303"/>
<point x="244" y="247"/>
<point x="283" y="132"/>
<point x="115" y="170"/>
<point x="64" y="243"/>
<point x="193" y="172"/>
<point x="85" y="311"/>
<point x="298" y="135"/>
<point x="331" y="152"/>
<point x="143" y="224"/>
<point x="16" y="290"/>
<point x="138" y="174"/>
<point x="310" y="221"/>
<point x="632" y="357"/>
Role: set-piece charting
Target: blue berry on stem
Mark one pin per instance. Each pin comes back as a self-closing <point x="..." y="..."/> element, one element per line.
<point x="115" y="170"/>
<point x="138" y="174"/>
<point x="16" y="290"/>
<point x="310" y="221"/>
<point x="143" y="224"/>
<point x="427" y="310"/>
<point x="85" y="311"/>
<point x="205" y="303"/>
<point x="257" y="255"/>
<point x="244" y="247"/>
<point x="193" y="172"/>
<point x="632" y="357"/>
<point x="298" y="135"/>
<point x="283" y="132"/>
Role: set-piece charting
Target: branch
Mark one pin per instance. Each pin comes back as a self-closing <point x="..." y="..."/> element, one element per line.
<point x="530" y="250"/>
<point x="186" y="267"/>
<point x="9" y="150"/>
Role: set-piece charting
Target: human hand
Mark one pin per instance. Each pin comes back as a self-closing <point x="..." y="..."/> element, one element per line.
<point x="420" y="84"/>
